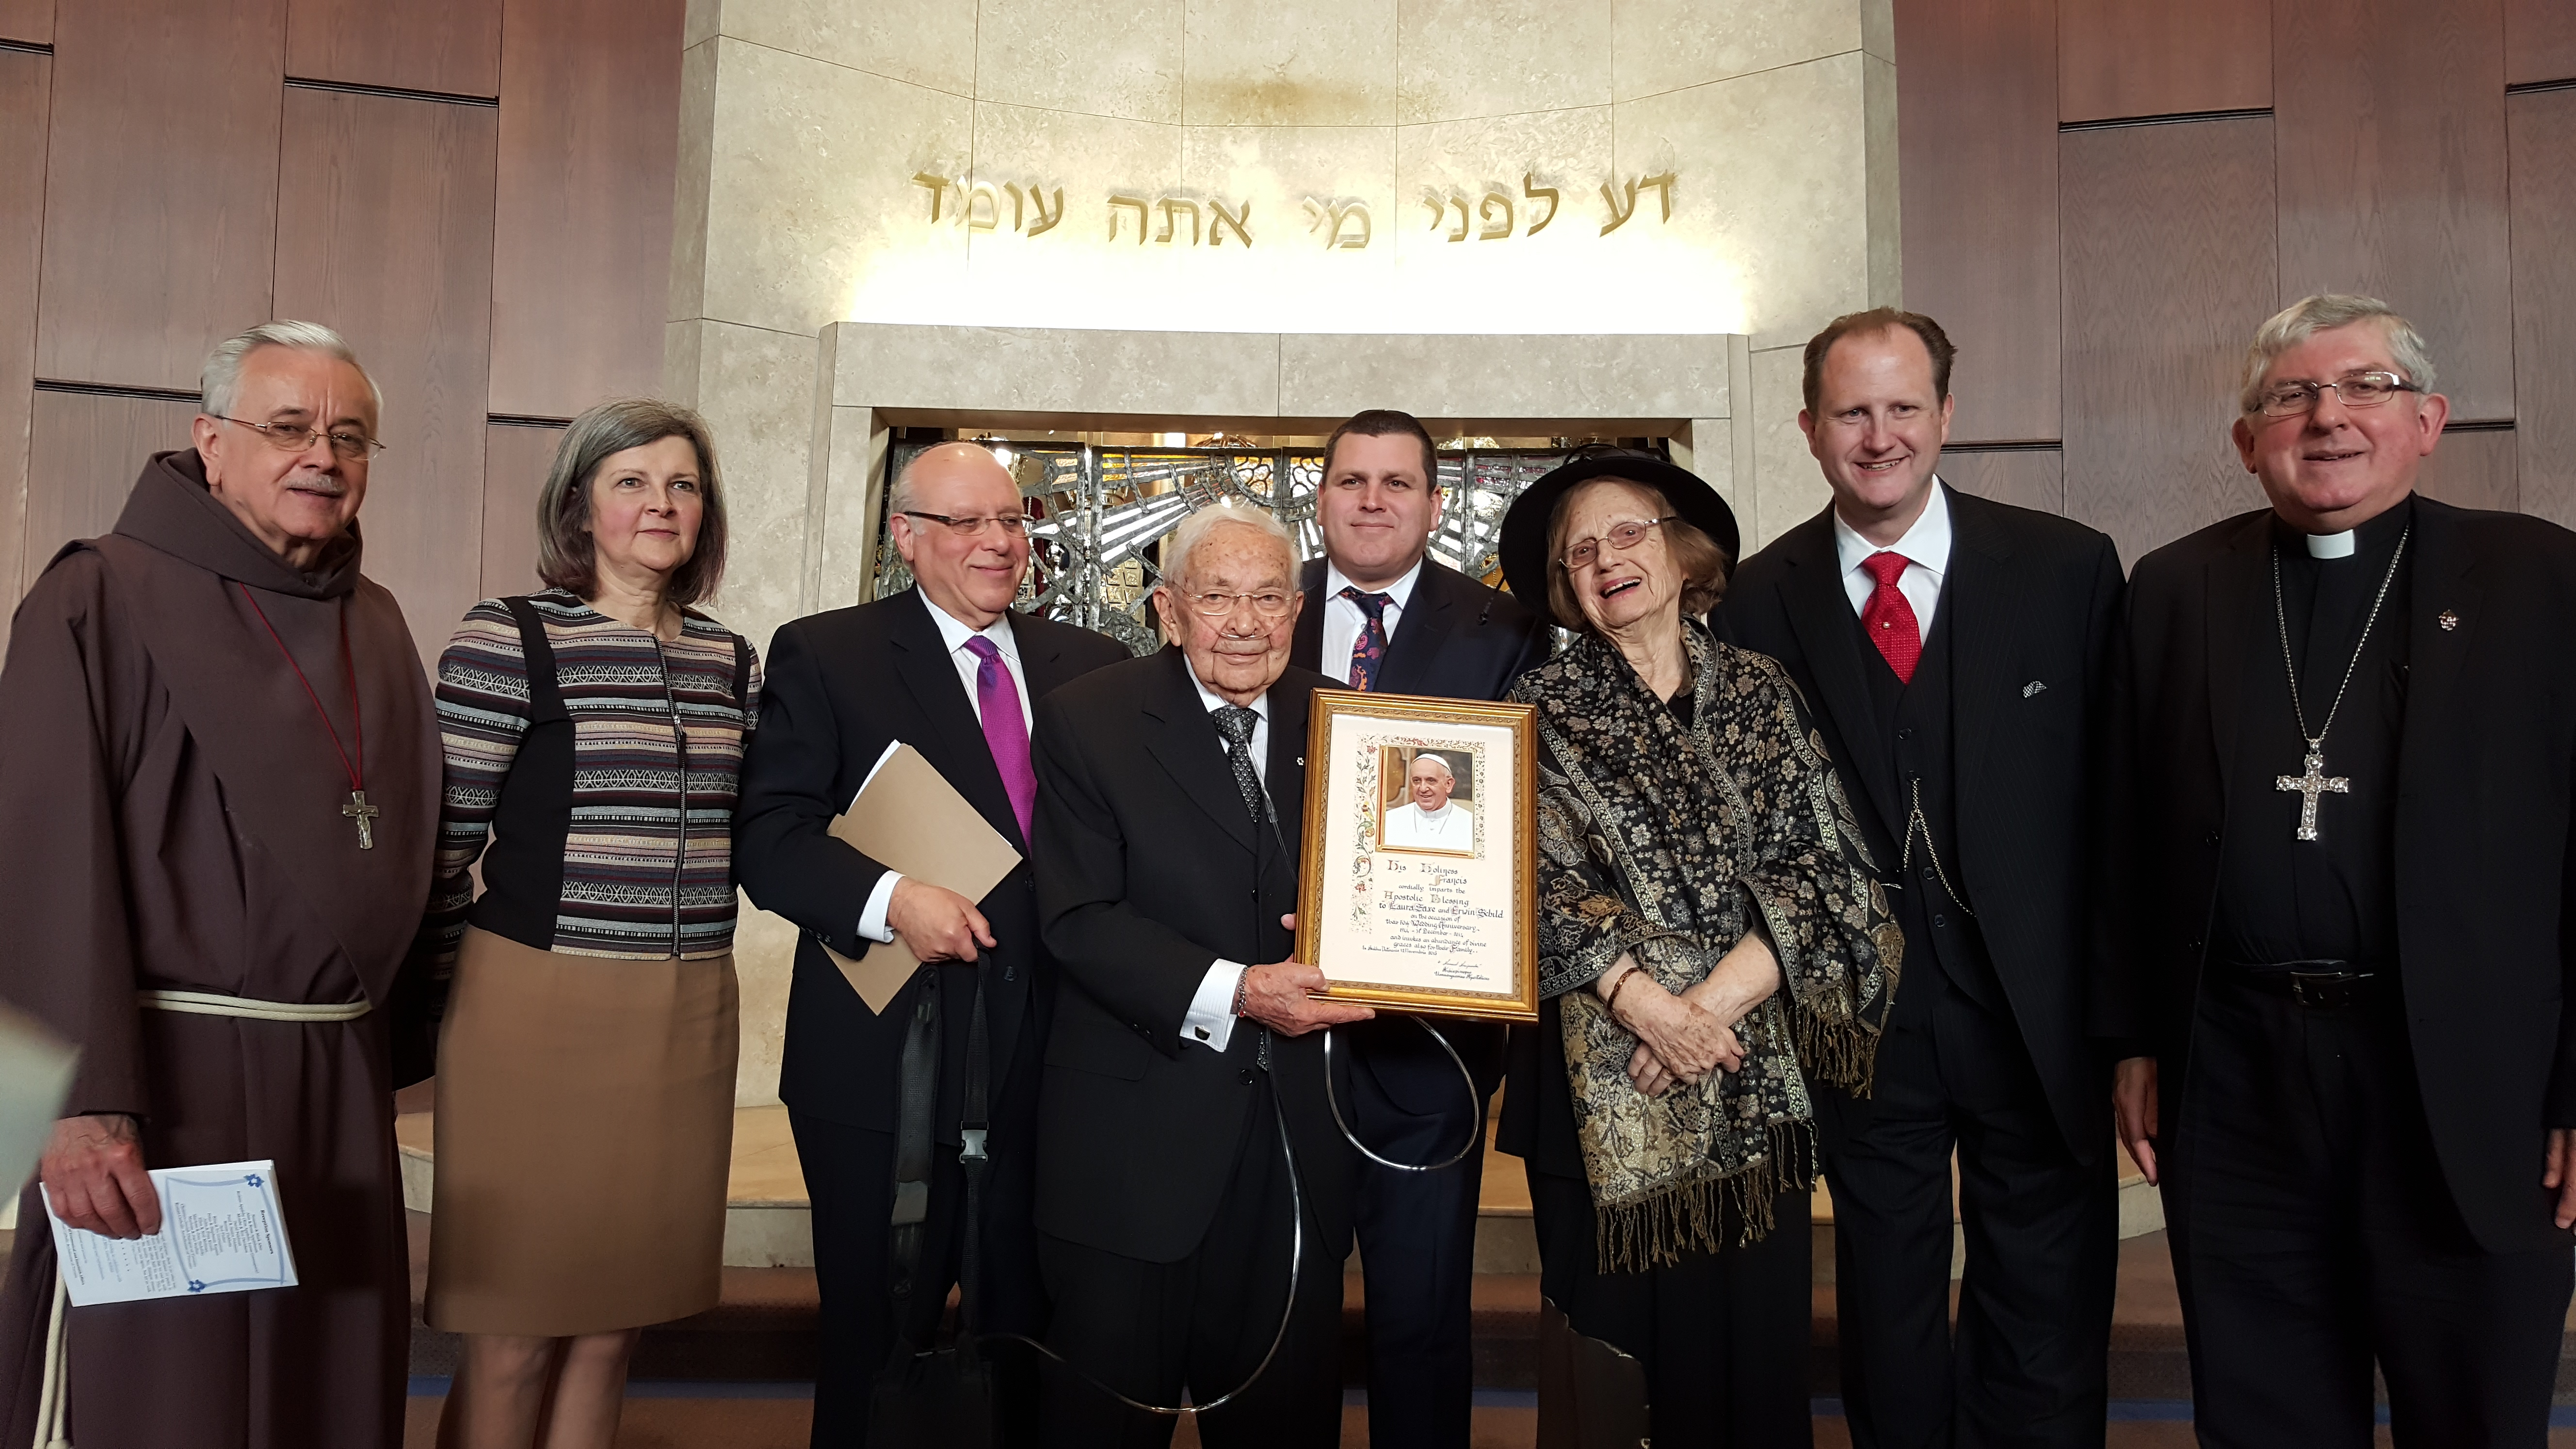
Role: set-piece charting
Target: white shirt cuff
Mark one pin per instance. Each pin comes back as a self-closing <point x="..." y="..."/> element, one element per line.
<point x="1210" y="1022"/>
<point x="872" y="916"/>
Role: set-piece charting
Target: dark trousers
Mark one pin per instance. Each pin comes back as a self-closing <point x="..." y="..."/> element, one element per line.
<point x="2027" y="1364"/>
<point x="1417" y="1230"/>
<point x="2312" y="1234"/>
<point x="1722" y="1336"/>
<point x="849" y="1175"/>
<point x="1204" y="1324"/>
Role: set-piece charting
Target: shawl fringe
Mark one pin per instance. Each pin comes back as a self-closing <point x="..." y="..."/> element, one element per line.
<point x="1659" y="1231"/>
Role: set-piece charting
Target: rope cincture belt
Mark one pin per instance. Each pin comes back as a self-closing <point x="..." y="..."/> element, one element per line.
<point x="208" y="1003"/>
<point x="53" y="1401"/>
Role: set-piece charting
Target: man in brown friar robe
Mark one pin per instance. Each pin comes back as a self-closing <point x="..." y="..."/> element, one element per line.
<point x="219" y="778"/>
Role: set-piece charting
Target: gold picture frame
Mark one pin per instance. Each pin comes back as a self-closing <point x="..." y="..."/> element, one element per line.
<point x="1419" y="894"/>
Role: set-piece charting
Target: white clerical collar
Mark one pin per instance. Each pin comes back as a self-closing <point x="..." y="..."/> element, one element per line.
<point x="1215" y="701"/>
<point x="1401" y="590"/>
<point x="953" y="632"/>
<point x="1926" y="544"/>
<point x="2331" y="545"/>
<point x="1443" y="813"/>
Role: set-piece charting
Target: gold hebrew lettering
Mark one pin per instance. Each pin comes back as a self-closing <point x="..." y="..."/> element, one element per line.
<point x="1317" y="213"/>
<point x="1439" y="208"/>
<point x="1047" y="219"/>
<point x="1220" y="218"/>
<point x="1533" y="191"/>
<point x="1618" y="217"/>
<point x="1171" y="207"/>
<point x="1494" y="230"/>
<point x="1138" y="202"/>
<point x="938" y="187"/>
<point x="1460" y="203"/>
<point x="991" y="216"/>
<point x="1662" y="183"/>
<point x="1356" y="211"/>
<point x="1018" y="212"/>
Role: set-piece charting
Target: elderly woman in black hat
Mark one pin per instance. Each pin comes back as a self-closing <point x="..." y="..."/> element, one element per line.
<point x="1710" y="938"/>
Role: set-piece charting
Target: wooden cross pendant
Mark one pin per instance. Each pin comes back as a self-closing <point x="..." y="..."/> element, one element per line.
<point x="2309" y="786"/>
<point x="365" y="814"/>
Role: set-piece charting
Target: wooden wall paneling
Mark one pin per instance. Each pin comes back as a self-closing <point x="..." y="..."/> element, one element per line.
<point x="420" y="45"/>
<point x="1977" y="165"/>
<point x="25" y="82"/>
<point x="2391" y="154"/>
<point x="161" y="198"/>
<point x="84" y="452"/>
<point x="2543" y="127"/>
<point x="31" y="21"/>
<point x="2118" y="59"/>
<point x="2474" y="469"/>
<point x="515" y="459"/>
<point x="393" y="246"/>
<point x="2539" y="41"/>
<point x="590" y="140"/>
<point x="2030" y="477"/>
<point x="2170" y="249"/>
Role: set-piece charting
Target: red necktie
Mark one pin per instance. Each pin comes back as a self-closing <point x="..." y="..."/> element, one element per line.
<point x="1889" y="619"/>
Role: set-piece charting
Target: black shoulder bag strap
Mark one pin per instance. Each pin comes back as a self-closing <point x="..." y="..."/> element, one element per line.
<point x="545" y="696"/>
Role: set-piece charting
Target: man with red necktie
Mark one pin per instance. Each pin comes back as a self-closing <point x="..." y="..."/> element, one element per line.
<point x="947" y="668"/>
<point x="1956" y="653"/>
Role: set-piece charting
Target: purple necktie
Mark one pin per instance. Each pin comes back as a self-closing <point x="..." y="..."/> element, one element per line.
<point x="1368" y="647"/>
<point x="1006" y="734"/>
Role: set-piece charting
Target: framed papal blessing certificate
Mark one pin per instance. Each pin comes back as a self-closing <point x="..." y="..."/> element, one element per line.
<point x="1420" y="875"/>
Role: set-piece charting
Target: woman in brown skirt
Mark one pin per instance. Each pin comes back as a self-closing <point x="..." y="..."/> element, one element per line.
<point x="594" y="731"/>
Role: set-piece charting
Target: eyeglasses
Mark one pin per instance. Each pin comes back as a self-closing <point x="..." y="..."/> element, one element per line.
<point x="1219" y="605"/>
<point x="1622" y="537"/>
<point x="295" y="438"/>
<point x="1013" y="524"/>
<point x="2361" y="390"/>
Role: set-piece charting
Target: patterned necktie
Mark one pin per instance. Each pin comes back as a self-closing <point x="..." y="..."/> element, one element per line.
<point x="1006" y="734"/>
<point x="1370" y="645"/>
<point x="1235" y="723"/>
<point x="1889" y="618"/>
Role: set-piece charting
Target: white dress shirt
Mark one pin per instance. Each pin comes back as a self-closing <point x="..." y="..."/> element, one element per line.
<point x="954" y="634"/>
<point x="1343" y="620"/>
<point x="1210" y="1020"/>
<point x="1926" y="547"/>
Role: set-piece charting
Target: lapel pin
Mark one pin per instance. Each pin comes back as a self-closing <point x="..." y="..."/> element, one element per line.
<point x="2447" y="619"/>
<point x="2032" y="688"/>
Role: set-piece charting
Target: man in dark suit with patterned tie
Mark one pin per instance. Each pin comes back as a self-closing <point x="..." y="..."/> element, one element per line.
<point x="1381" y="615"/>
<point x="1186" y="1065"/>
<point x="1957" y="655"/>
<point x="948" y="669"/>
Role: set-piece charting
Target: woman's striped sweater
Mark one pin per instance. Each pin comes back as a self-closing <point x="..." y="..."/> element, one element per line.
<point x="607" y="837"/>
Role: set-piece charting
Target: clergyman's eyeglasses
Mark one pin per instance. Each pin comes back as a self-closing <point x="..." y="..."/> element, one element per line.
<point x="295" y="438"/>
<point x="2361" y="390"/>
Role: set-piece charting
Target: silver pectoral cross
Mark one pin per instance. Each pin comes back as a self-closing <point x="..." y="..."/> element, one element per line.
<point x="2309" y="786"/>
<point x="365" y="814"/>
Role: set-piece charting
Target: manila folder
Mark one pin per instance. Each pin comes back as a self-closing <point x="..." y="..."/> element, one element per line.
<point x="908" y="818"/>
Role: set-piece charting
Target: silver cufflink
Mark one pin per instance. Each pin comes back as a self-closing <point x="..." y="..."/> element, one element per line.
<point x="1202" y="1031"/>
<point x="2032" y="688"/>
<point x="2447" y="619"/>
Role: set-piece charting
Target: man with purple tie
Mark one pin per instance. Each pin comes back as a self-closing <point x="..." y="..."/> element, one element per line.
<point x="947" y="668"/>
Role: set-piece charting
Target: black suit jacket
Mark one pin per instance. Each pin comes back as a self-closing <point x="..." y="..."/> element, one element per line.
<point x="1150" y="870"/>
<point x="1457" y="638"/>
<point x="841" y="687"/>
<point x="2036" y="600"/>
<point x="2486" y="877"/>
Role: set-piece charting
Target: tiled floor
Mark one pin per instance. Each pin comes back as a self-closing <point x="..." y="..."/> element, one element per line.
<point x="768" y="1423"/>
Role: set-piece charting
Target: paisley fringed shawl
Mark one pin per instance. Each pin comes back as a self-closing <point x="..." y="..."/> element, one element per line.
<point x="1668" y="843"/>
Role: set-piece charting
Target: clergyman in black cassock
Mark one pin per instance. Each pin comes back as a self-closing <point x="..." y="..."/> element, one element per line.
<point x="1184" y="1045"/>
<point x="2351" y="906"/>
<point x="1440" y="633"/>
<point x="842" y="687"/>
<point x="1975" y="776"/>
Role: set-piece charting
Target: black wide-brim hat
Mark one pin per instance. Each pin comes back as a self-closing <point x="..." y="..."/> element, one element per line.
<point x="1524" y="546"/>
